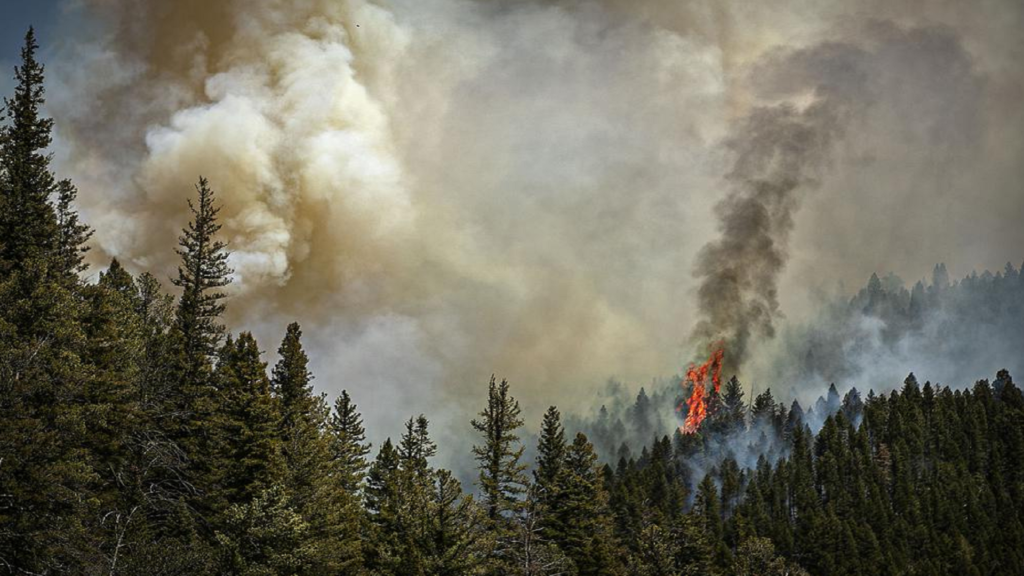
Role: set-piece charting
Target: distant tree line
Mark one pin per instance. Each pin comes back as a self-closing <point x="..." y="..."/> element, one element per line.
<point x="138" y="436"/>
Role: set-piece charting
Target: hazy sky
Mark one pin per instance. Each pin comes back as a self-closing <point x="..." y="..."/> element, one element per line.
<point x="442" y="189"/>
<point x="18" y="15"/>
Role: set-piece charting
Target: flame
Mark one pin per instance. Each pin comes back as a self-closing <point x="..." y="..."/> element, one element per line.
<point x="697" y="404"/>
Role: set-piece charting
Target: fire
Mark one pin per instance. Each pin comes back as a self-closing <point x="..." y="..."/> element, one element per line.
<point x="697" y="404"/>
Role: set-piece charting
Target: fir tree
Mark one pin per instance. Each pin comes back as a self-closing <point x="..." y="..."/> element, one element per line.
<point x="202" y="276"/>
<point x="550" y="462"/>
<point x="348" y="444"/>
<point x="28" y="222"/>
<point x="502" y="476"/>
<point x="247" y="459"/>
<point x="303" y="415"/>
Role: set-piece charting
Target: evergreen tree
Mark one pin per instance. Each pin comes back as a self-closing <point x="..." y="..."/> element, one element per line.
<point x="582" y="507"/>
<point x="248" y="458"/>
<point x="72" y="234"/>
<point x="550" y="462"/>
<point x="502" y="477"/>
<point x="348" y="444"/>
<point x="455" y="542"/>
<point x="303" y="416"/>
<point x="266" y="536"/>
<point x="47" y="508"/>
<point x="28" y="222"/>
<point x="734" y="409"/>
<point x="202" y="276"/>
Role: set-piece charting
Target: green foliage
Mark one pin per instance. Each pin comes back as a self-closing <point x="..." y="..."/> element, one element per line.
<point x="265" y="537"/>
<point x="28" y="221"/>
<point x="247" y="457"/>
<point x="136" y="439"/>
<point x="502" y="477"/>
<point x="202" y="275"/>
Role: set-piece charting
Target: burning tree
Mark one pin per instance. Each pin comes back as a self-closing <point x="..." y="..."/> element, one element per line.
<point x="701" y="377"/>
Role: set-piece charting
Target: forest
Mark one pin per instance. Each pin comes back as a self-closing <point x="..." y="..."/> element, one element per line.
<point x="139" y="436"/>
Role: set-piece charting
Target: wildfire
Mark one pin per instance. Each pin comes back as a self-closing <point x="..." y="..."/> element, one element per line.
<point x="697" y="404"/>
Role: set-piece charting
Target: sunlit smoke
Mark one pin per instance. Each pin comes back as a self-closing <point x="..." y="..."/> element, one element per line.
<point x="443" y="189"/>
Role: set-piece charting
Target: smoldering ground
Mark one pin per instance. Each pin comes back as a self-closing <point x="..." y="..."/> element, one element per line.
<point x="442" y="189"/>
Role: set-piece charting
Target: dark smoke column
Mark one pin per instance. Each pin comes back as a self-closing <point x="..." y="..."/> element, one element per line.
<point x="780" y="151"/>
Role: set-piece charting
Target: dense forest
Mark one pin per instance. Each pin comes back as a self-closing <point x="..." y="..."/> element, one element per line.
<point x="138" y="436"/>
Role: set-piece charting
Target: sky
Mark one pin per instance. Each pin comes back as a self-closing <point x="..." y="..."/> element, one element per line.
<point x="18" y="16"/>
<point x="439" y="190"/>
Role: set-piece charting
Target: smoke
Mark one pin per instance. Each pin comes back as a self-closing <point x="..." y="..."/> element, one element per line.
<point x="444" y="189"/>
<point x="784" y="149"/>
<point x="780" y="149"/>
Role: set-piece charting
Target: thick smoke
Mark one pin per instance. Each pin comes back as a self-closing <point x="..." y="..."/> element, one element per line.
<point x="780" y="150"/>
<point x="442" y="189"/>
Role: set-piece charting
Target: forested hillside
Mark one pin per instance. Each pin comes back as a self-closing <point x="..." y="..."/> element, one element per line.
<point x="139" y="436"/>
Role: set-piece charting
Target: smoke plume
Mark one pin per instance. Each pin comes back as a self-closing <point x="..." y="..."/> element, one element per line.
<point x="439" y="190"/>
<point x="780" y="150"/>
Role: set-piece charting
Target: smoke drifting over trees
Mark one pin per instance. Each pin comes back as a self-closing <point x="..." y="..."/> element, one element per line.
<point x="524" y="187"/>
<point x="144" y="431"/>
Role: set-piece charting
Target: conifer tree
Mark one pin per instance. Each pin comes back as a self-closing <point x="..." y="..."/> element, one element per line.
<point x="266" y="536"/>
<point x="72" y="234"/>
<point x="247" y="459"/>
<point x="550" y="462"/>
<point x="45" y="468"/>
<point x="348" y="444"/>
<point x="502" y="477"/>
<point x="582" y="507"/>
<point x="303" y="416"/>
<point x="28" y="222"/>
<point x="455" y="542"/>
<point x="202" y="276"/>
<point x="416" y="448"/>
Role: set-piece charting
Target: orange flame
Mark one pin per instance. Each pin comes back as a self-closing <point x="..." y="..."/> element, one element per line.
<point x="697" y="404"/>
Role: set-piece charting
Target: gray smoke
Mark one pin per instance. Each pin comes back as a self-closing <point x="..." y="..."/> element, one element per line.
<point x="784" y="149"/>
<point x="442" y="189"/>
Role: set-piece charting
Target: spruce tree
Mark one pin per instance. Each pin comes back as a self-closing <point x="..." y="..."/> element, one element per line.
<point x="252" y="418"/>
<point x="582" y="507"/>
<point x="28" y="222"/>
<point x="550" y="458"/>
<point x="455" y="543"/>
<point x="72" y="234"/>
<point x="202" y="276"/>
<point x="45" y="470"/>
<point x="303" y="416"/>
<point x="416" y="448"/>
<point x="502" y="477"/>
<point x="348" y="444"/>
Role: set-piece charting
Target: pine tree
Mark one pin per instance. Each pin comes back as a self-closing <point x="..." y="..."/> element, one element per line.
<point x="348" y="444"/>
<point x="582" y="506"/>
<point x="28" y="222"/>
<point x="266" y="536"/>
<point x="202" y="276"/>
<point x="502" y="478"/>
<point x="762" y="411"/>
<point x="303" y="416"/>
<point x="115" y="417"/>
<point x="708" y="511"/>
<point x="72" y="234"/>
<point x="550" y="462"/>
<point x="416" y="448"/>
<point x="328" y="506"/>
<point x="247" y="458"/>
<point x="396" y="502"/>
<point x="45" y="523"/>
<point x="734" y="409"/>
<point x="156" y="312"/>
<point x="455" y="543"/>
